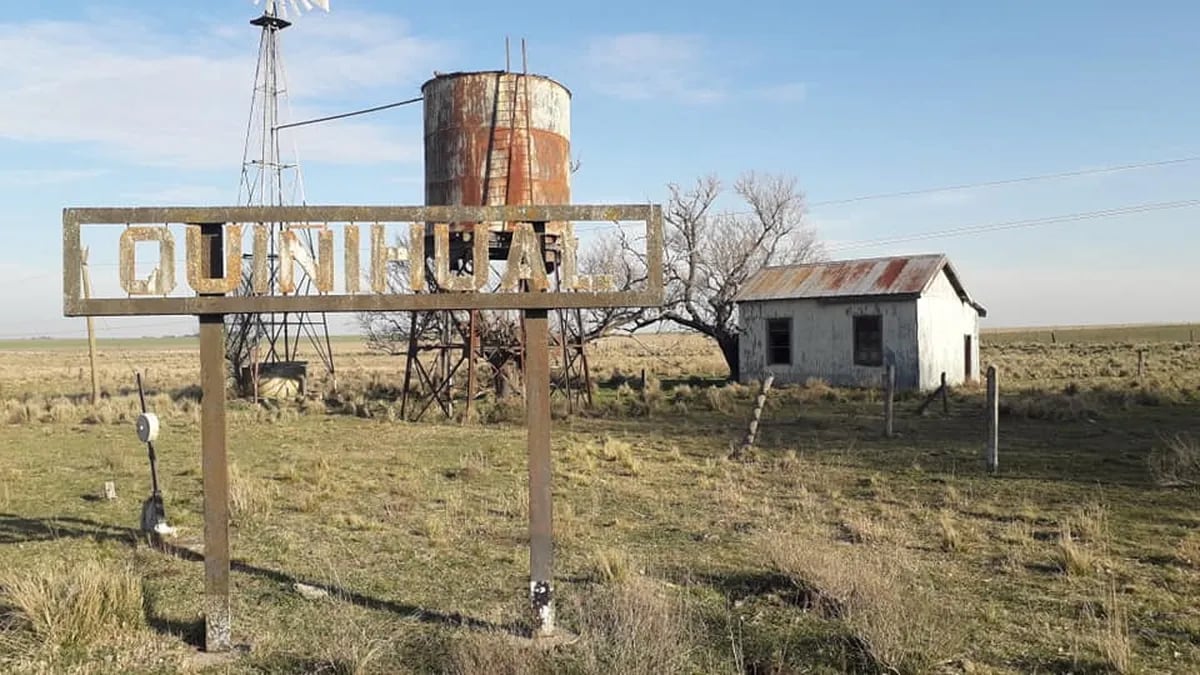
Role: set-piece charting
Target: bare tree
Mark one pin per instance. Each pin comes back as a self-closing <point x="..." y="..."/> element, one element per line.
<point x="709" y="255"/>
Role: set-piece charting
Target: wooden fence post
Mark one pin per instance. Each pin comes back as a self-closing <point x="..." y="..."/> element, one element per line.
<point x="759" y="402"/>
<point x="1141" y="362"/>
<point x="889" y="400"/>
<point x="91" y="329"/>
<point x="993" y="417"/>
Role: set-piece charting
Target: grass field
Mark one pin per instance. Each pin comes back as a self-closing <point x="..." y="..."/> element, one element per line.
<point x="828" y="549"/>
<point x="1134" y="333"/>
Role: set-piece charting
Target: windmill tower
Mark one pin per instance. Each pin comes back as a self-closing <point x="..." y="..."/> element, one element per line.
<point x="268" y="345"/>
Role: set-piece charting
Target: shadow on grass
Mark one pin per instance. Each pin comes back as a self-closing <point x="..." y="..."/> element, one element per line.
<point x="16" y="529"/>
<point x="1063" y="665"/>
<point x="740" y="585"/>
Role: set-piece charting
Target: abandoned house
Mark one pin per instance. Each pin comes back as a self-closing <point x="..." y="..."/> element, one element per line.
<point x="845" y="321"/>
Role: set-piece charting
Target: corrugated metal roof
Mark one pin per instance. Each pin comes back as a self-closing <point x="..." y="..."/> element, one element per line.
<point x="899" y="275"/>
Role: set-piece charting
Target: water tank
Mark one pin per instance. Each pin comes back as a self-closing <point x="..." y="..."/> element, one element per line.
<point x="497" y="137"/>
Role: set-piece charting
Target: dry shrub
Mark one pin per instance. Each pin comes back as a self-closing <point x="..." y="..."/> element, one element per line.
<point x="71" y="607"/>
<point x="18" y="412"/>
<point x="1072" y="557"/>
<point x="861" y="529"/>
<point x="951" y="538"/>
<point x="61" y="410"/>
<point x="1176" y="462"/>
<point x="495" y="654"/>
<point x="897" y="620"/>
<point x="1188" y="549"/>
<point x="719" y="399"/>
<point x="618" y="452"/>
<point x="612" y="566"/>
<point x="1112" y="637"/>
<point x="1090" y="523"/>
<point x="816" y="389"/>
<point x="510" y="410"/>
<point x="249" y="496"/>
<point x="683" y="393"/>
<point x="634" y="626"/>
<point x="952" y="498"/>
<point x="101" y="413"/>
<point x="1053" y="407"/>
<point x="1018" y="533"/>
<point x="738" y="390"/>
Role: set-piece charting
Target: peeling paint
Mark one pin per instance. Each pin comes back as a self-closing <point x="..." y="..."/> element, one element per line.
<point x="924" y="333"/>
<point x="217" y="632"/>
<point x="541" y="599"/>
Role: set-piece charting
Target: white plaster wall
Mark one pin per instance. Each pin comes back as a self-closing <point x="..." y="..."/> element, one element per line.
<point x="823" y="341"/>
<point x="943" y="319"/>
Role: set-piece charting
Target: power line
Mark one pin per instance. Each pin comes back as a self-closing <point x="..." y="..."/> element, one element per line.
<point x="1017" y="224"/>
<point x="967" y="186"/>
<point x="1008" y="181"/>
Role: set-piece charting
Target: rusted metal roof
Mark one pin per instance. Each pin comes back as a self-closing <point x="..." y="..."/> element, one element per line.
<point x="865" y="278"/>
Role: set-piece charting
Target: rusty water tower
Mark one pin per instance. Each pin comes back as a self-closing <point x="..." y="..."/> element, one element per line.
<point x="494" y="138"/>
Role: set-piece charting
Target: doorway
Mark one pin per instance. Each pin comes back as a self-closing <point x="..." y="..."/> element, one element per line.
<point x="969" y="373"/>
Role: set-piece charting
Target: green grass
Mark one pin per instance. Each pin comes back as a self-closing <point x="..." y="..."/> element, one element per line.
<point x="419" y="533"/>
<point x="818" y="553"/>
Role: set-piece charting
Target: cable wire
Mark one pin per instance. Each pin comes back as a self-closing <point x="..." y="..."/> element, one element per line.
<point x="349" y="114"/>
<point x="1017" y="224"/>
<point x="1008" y="181"/>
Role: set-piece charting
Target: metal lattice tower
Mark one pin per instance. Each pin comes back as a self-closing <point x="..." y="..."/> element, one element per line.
<point x="272" y="341"/>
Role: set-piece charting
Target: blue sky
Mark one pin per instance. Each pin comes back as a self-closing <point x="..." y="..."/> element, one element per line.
<point x="136" y="102"/>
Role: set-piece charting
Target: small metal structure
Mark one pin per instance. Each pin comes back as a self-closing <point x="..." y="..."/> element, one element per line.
<point x="213" y="271"/>
<point x="154" y="512"/>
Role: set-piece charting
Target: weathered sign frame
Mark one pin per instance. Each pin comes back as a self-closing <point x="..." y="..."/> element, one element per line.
<point x="211" y="308"/>
<point x="76" y="305"/>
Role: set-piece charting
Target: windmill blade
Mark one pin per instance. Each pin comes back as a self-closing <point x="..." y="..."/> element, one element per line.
<point x="280" y="7"/>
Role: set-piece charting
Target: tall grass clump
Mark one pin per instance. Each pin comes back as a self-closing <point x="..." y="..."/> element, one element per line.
<point x="1072" y="557"/>
<point x="949" y="534"/>
<point x="1176" y="461"/>
<point x="69" y="607"/>
<point x="719" y="399"/>
<point x="249" y="496"/>
<point x="1111" y="638"/>
<point x="635" y="625"/>
<point x="877" y="595"/>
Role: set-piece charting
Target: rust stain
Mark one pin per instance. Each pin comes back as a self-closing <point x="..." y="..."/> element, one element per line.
<point x="495" y="138"/>
<point x="875" y="276"/>
<point x="890" y="274"/>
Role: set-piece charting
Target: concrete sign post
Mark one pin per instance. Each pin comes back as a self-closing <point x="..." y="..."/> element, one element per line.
<point x="213" y="262"/>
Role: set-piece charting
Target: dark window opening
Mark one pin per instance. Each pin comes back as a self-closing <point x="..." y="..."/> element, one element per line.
<point x="868" y="340"/>
<point x="779" y="342"/>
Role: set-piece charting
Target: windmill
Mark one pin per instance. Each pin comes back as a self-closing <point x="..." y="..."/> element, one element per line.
<point x="269" y="344"/>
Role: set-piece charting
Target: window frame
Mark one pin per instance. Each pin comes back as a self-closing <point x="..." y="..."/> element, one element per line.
<point x="861" y="354"/>
<point x="772" y="346"/>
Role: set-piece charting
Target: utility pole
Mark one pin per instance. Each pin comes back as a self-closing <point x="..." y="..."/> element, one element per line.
<point x="91" y="329"/>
